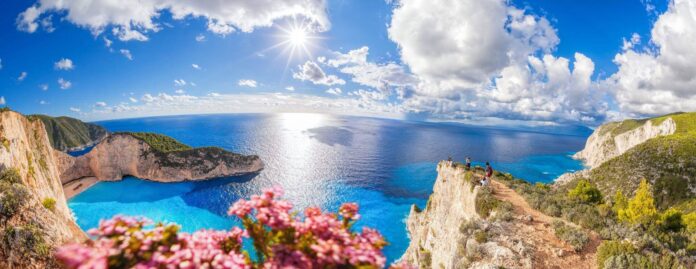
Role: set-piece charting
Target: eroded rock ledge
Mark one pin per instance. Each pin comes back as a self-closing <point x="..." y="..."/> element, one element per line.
<point x="124" y="154"/>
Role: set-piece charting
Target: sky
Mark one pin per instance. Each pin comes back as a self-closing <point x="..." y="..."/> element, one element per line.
<point x="475" y="61"/>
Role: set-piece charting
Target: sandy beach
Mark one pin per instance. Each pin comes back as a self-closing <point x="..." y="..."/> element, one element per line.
<point x="77" y="186"/>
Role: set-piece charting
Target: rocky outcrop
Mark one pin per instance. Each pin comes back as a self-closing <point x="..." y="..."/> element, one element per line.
<point x="29" y="234"/>
<point x="70" y="134"/>
<point x="123" y="154"/>
<point x="434" y="231"/>
<point x="603" y="145"/>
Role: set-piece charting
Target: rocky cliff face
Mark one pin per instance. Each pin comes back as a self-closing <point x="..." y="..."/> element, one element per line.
<point x="603" y="145"/>
<point x="121" y="155"/>
<point x="29" y="234"/>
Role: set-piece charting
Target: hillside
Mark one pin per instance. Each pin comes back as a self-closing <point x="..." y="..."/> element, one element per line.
<point x="67" y="133"/>
<point x="667" y="161"/>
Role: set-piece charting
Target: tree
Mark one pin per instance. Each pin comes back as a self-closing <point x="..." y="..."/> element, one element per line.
<point x="641" y="208"/>
<point x="585" y="192"/>
<point x="620" y="201"/>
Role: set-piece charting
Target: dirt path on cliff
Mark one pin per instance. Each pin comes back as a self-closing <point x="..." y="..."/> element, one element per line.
<point x="550" y="251"/>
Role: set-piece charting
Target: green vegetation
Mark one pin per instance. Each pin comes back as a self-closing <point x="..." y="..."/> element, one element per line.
<point x="49" y="203"/>
<point x="12" y="193"/>
<point x="481" y="236"/>
<point x="585" y="192"/>
<point x="26" y="240"/>
<point x="612" y="248"/>
<point x="161" y="143"/>
<point x="641" y="209"/>
<point x="65" y="132"/>
<point x="577" y="238"/>
<point x="486" y="204"/>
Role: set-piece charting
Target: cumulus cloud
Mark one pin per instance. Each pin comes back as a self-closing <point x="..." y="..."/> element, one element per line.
<point x="100" y="104"/>
<point x="334" y="91"/>
<point x="247" y="83"/>
<point x="660" y="80"/>
<point x="43" y="87"/>
<point x="107" y="42"/>
<point x="126" y="53"/>
<point x="290" y="88"/>
<point x="200" y="38"/>
<point x="22" y="76"/>
<point x="64" y="84"/>
<point x="311" y="71"/>
<point x="42" y="102"/>
<point x="486" y="59"/>
<point x="195" y="66"/>
<point x="134" y="19"/>
<point x="179" y="91"/>
<point x="2" y="101"/>
<point x="133" y="100"/>
<point x="379" y="76"/>
<point x="75" y="109"/>
<point x="64" y="64"/>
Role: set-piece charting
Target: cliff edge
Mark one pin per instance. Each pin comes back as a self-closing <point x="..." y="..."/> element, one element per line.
<point x="153" y="157"/>
<point x="465" y="225"/>
<point x="34" y="213"/>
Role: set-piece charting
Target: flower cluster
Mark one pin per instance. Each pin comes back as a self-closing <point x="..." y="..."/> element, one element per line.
<point x="280" y="239"/>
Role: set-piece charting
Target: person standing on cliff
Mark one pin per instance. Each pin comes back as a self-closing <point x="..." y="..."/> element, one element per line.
<point x="468" y="163"/>
<point x="489" y="174"/>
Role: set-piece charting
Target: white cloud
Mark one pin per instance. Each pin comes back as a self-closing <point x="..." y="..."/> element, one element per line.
<point x="75" y="109"/>
<point x="64" y="64"/>
<point x="43" y="87"/>
<point x="334" y="91"/>
<point x="42" y="102"/>
<point x="214" y="94"/>
<point x="126" y="53"/>
<point x="660" y="80"/>
<point x="290" y="88"/>
<point x="64" y="84"/>
<point x="133" y="100"/>
<point x="22" y="76"/>
<point x="632" y="42"/>
<point x="485" y="59"/>
<point x="179" y="82"/>
<point x="100" y="104"/>
<point x="107" y="42"/>
<point x="133" y="19"/>
<point x="179" y="91"/>
<point x="247" y="83"/>
<point x="310" y="71"/>
<point x="200" y="38"/>
<point x="195" y="66"/>
<point x="2" y="101"/>
<point x="379" y="76"/>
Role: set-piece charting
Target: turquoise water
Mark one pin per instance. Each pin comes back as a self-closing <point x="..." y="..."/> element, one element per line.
<point x="384" y="165"/>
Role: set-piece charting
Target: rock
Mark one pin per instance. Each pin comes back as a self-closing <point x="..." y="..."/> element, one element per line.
<point x="122" y="154"/>
<point x="558" y="252"/>
<point x="602" y="145"/>
<point x="528" y="218"/>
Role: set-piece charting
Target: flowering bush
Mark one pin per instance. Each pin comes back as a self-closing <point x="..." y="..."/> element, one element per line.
<point x="279" y="237"/>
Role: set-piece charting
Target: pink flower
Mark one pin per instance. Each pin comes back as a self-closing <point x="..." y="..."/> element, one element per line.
<point x="349" y="211"/>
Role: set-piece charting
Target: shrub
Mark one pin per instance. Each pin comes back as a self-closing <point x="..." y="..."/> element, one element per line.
<point x="160" y="142"/>
<point x="641" y="208"/>
<point x="10" y="175"/>
<point x="620" y="201"/>
<point x="26" y="240"/>
<point x="585" y="192"/>
<point x="671" y="220"/>
<point x="571" y="235"/>
<point x="690" y="222"/>
<point x="279" y="237"/>
<point x="49" y="203"/>
<point x="12" y="197"/>
<point x="481" y="236"/>
<point x="486" y="202"/>
<point x="612" y="248"/>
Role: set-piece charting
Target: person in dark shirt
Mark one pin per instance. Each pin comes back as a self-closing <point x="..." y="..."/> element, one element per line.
<point x="468" y="163"/>
<point x="489" y="174"/>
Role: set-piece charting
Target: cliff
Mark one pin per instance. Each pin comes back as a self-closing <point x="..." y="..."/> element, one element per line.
<point x="613" y="139"/>
<point x="67" y="133"/>
<point x="661" y="150"/>
<point x="35" y="216"/>
<point x="468" y="226"/>
<point x="153" y="157"/>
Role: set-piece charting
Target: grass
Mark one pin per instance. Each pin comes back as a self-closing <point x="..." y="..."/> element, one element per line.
<point x="49" y="203"/>
<point x="686" y="123"/>
<point x="158" y="142"/>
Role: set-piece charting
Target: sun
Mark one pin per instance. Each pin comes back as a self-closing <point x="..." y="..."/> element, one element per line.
<point x="297" y="36"/>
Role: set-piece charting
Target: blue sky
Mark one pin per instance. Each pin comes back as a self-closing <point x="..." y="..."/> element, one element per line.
<point x="516" y="62"/>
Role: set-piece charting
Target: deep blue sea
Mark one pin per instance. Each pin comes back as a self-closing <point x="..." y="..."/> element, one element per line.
<point x="384" y="165"/>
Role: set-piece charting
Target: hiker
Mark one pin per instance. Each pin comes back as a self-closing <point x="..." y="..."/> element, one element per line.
<point x="489" y="174"/>
<point x="468" y="163"/>
<point x="449" y="161"/>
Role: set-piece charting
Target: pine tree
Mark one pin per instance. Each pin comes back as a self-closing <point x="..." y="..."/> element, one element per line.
<point x="641" y="208"/>
<point x="620" y="202"/>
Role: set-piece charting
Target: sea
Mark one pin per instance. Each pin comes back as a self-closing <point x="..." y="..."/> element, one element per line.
<point x="384" y="165"/>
